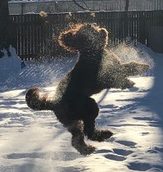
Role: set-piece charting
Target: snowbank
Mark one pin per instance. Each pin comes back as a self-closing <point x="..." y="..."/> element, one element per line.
<point x="10" y="66"/>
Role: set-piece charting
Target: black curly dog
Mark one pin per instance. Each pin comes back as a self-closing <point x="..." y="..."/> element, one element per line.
<point x="96" y="69"/>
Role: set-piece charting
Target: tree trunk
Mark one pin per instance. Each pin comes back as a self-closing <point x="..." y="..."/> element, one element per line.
<point x="4" y="24"/>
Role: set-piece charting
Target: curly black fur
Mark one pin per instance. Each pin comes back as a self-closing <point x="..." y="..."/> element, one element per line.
<point x="96" y="69"/>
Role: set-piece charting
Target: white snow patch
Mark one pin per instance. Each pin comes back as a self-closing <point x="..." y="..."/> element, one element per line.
<point x="10" y="66"/>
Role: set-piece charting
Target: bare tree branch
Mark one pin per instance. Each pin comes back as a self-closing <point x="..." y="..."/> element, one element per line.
<point x="79" y="5"/>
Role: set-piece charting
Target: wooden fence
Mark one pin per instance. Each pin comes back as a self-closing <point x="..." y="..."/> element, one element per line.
<point x="34" y="37"/>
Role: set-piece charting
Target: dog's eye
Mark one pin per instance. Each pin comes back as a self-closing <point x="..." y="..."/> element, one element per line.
<point x="89" y="25"/>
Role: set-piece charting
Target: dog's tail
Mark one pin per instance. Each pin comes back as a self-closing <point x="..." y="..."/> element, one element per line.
<point x="38" y="101"/>
<point x="134" y="68"/>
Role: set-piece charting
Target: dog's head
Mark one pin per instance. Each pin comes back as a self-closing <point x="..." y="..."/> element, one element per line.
<point x="84" y="37"/>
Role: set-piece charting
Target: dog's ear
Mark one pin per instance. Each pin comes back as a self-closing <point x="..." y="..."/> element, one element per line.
<point x="89" y="25"/>
<point x="104" y="33"/>
<point x="67" y="40"/>
<point x="104" y="36"/>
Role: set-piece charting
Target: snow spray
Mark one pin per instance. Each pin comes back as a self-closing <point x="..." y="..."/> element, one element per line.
<point x="129" y="52"/>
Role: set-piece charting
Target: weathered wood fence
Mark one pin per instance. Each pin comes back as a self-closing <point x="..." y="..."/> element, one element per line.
<point x="35" y="37"/>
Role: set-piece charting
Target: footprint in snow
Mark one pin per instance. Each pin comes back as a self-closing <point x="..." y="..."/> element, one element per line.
<point x="139" y="166"/>
<point x="156" y="150"/>
<point x="127" y="143"/>
<point x="145" y="133"/>
<point x="159" y="149"/>
<point x="103" y="151"/>
<point x="116" y="154"/>
<point x="114" y="157"/>
<point x="28" y="167"/>
<point x="66" y="156"/>
<point x="143" y="166"/>
<point x="122" y="152"/>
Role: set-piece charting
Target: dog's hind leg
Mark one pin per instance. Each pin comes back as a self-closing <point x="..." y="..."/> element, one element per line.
<point x="89" y="122"/>
<point x="76" y="129"/>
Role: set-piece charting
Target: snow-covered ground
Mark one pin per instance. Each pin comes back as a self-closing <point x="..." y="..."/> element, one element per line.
<point x="36" y="142"/>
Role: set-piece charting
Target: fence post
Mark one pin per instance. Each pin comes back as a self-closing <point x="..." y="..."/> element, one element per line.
<point x="4" y="25"/>
<point x="142" y="28"/>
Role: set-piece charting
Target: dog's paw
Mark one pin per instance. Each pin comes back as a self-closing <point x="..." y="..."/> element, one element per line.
<point x="101" y="135"/>
<point x="88" y="149"/>
<point x="85" y="149"/>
